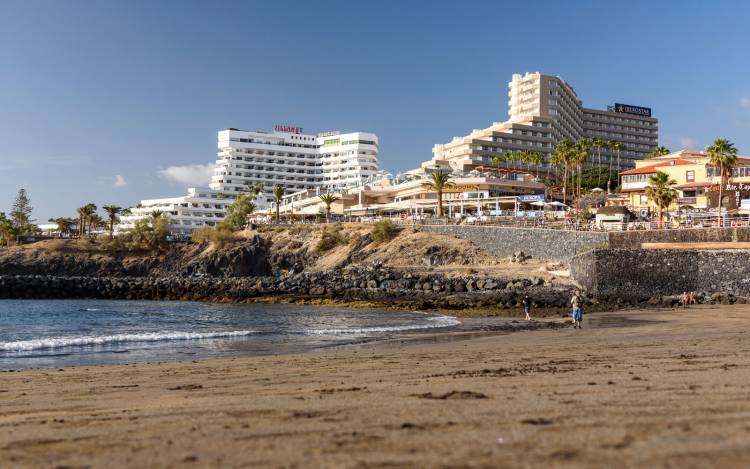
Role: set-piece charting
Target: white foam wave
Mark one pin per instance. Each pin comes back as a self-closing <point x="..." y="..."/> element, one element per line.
<point x="59" y="342"/>
<point x="434" y="322"/>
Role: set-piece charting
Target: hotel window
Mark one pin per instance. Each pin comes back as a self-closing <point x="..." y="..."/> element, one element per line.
<point x="644" y="199"/>
<point x="690" y="176"/>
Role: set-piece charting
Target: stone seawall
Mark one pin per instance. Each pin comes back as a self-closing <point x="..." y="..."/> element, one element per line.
<point x="635" y="275"/>
<point x="563" y="245"/>
<point x="633" y="239"/>
<point x="375" y="285"/>
<point x="539" y="243"/>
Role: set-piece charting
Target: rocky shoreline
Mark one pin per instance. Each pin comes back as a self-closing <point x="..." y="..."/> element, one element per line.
<point x="374" y="286"/>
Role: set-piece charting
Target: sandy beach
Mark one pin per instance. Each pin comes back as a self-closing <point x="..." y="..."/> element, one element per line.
<point x="632" y="389"/>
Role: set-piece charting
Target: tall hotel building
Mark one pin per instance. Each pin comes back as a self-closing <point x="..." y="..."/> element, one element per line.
<point x="545" y="110"/>
<point x="328" y="161"/>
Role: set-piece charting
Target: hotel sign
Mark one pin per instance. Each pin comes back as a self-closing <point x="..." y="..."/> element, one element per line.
<point x="732" y="195"/>
<point x="287" y="128"/>
<point x="635" y="110"/>
<point x="531" y="198"/>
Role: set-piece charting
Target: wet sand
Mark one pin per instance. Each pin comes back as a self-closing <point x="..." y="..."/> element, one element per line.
<point x="632" y="389"/>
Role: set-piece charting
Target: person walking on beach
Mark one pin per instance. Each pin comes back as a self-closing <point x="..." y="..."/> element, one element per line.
<point x="577" y="303"/>
<point x="526" y="301"/>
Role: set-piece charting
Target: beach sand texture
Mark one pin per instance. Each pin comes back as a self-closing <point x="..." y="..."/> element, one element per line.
<point x="632" y="389"/>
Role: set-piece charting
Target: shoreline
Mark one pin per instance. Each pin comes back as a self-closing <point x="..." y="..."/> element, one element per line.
<point x="631" y="389"/>
<point x="467" y="328"/>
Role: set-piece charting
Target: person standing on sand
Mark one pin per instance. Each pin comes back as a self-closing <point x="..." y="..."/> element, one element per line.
<point x="577" y="303"/>
<point x="526" y="301"/>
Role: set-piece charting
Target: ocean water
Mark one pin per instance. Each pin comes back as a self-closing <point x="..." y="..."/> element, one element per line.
<point x="58" y="333"/>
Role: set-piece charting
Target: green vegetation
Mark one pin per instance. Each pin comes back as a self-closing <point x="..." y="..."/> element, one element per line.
<point x="439" y="181"/>
<point x="238" y="213"/>
<point x="329" y="239"/>
<point x="660" y="191"/>
<point x="20" y="214"/>
<point x="328" y="199"/>
<point x="8" y="231"/>
<point x="219" y="237"/>
<point x="722" y="155"/>
<point x="112" y="213"/>
<point x="383" y="231"/>
<point x="148" y="234"/>
<point x="660" y="151"/>
<point x="278" y="193"/>
<point x="598" y="176"/>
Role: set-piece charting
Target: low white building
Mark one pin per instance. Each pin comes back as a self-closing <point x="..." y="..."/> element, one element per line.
<point x="330" y="161"/>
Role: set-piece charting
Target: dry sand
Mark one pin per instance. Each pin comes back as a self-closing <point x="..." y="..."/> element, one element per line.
<point x="634" y="389"/>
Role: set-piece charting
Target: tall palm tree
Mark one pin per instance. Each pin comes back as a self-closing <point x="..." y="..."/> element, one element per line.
<point x="597" y="144"/>
<point x="564" y="156"/>
<point x="581" y="156"/>
<point x="660" y="191"/>
<point x="722" y="155"/>
<point x="112" y="212"/>
<point x="83" y="215"/>
<point x="618" y="147"/>
<point x="659" y="151"/>
<point x="534" y="158"/>
<point x="328" y="198"/>
<point x="498" y="159"/>
<point x="439" y="180"/>
<point x="94" y="222"/>
<point x="278" y="193"/>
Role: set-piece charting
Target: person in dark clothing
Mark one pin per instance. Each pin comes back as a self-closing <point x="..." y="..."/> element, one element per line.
<point x="526" y="301"/>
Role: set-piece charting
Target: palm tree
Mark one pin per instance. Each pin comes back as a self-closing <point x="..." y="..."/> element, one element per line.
<point x="563" y="156"/>
<point x="497" y="159"/>
<point x="112" y="212"/>
<point x="660" y="191"/>
<point x="328" y="198"/>
<point x="618" y="147"/>
<point x="597" y="144"/>
<point x="581" y="155"/>
<point x="535" y="158"/>
<point x="659" y="151"/>
<point x="155" y="215"/>
<point x="95" y="221"/>
<point x="439" y="180"/>
<point x="722" y="155"/>
<point x="63" y="224"/>
<point x="278" y="193"/>
<point x="83" y="215"/>
<point x="254" y="188"/>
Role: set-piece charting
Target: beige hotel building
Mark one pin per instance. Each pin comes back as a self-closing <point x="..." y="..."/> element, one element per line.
<point x="544" y="110"/>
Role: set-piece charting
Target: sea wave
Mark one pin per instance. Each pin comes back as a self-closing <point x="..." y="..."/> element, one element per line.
<point x="60" y="342"/>
<point x="434" y="322"/>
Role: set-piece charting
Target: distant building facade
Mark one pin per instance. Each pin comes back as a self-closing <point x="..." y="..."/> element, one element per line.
<point x="286" y="157"/>
<point x="544" y="110"/>
<point x="697" y="182"/>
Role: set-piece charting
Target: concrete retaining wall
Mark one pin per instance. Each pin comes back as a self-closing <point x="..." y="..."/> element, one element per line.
<point x="635" y="275"/>
<point x="538" y="243"/>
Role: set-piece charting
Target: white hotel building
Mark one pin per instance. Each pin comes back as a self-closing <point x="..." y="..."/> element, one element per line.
<point x="286" y="156"/>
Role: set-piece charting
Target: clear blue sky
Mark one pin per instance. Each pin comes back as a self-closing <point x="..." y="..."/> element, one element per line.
<point x="96" y="98"/>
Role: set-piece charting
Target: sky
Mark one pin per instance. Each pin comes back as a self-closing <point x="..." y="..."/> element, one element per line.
<point x="115" y="101"/>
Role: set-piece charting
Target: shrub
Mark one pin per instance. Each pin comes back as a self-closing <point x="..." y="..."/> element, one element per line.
<point x="383" y="231"/>
<point x="84" y="245"/>
<point x="329" y="239"/>
<point x="56" y="245"/>
<point x="219" y="236"/>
